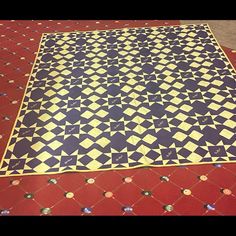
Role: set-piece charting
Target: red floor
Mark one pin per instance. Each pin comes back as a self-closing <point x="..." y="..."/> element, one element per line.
<point x="29" y="195"/>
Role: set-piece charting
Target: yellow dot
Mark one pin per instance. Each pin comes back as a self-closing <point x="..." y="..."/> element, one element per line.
<point x="203" y="177"/>
<point x="90" y="181"/>
<point x="14" y="102"/>
<point x="69" y="195"/>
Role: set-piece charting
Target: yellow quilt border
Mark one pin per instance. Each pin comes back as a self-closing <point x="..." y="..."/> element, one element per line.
<point x="123" y="168"/>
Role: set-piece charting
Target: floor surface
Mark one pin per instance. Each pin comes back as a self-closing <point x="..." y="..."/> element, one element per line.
<point x="224" y="30"/>
<point x="193" y="190"/>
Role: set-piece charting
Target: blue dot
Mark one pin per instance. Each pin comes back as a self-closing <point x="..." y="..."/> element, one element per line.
<point x="217" y="165"/>
<point x="4" y="212"/>
<point x="128" y="209"/>
<point x="210" y="207"/>
<point x="87" y="210"/>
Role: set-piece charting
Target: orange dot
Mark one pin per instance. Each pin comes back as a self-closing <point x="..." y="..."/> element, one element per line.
<point x="15" y="182"/>
<point x="128" y="179"/>
<point x="108" y="194"/>
<point x="14" y="102"/>
<point x="187" y="192"/>
<point x="203" y="177"/>
<point x="227" y="191"/>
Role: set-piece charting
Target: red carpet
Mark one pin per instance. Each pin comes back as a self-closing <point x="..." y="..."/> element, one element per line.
<point x="146" y="194"/>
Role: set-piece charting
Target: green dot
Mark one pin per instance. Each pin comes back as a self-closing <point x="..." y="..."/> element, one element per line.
<point x="52" y="181"/>
<point x="169" y="208"/>
<point x="28" y="195"/>
<point x="45" y="211"/>
<point x="146" y="193"/>
<point x="165" y="178"/>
